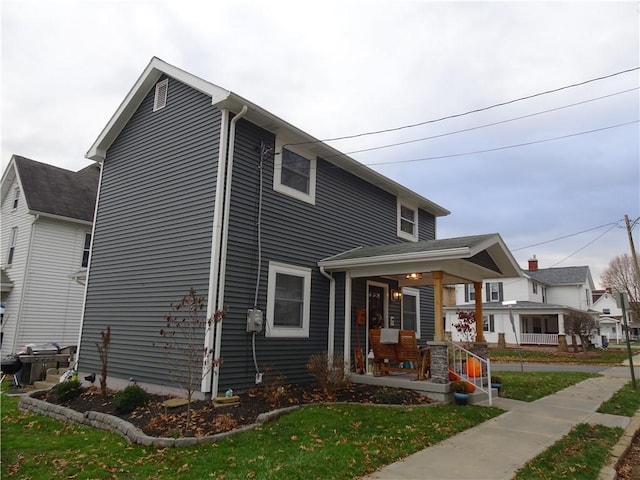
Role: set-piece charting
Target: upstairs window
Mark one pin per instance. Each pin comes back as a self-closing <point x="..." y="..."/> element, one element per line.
<point x="85" y="250"/>
<point x="160" y="98"/>
<point x="606" y="311"/>
<point x="494" y="292"/>
<point x="295" y="175"/>
<point x="469" y="292"/>
<point x="288" y="301"/>
<point x="16" y="197"/>
<point x="407" y="222"/>
<point x="535" y="287"/>
<point x="12" y="245"/>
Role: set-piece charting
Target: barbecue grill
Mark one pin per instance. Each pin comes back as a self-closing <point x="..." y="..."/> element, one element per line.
<point x="11" y="365"/>
<point x="38" y="358"/>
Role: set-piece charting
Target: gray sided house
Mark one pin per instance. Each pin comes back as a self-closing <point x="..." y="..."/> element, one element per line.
<point x="201" y="188"/>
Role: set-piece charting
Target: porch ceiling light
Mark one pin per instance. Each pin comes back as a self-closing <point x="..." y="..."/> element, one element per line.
<point x="414" y="276"/>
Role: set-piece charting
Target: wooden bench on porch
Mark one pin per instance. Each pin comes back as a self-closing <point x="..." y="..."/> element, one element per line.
<point x="389" y="356"/>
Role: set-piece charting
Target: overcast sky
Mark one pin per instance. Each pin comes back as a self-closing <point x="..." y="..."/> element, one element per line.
<point x="343" y="68"/>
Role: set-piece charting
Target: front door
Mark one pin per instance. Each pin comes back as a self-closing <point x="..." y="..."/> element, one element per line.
<point x="377" y="305"/>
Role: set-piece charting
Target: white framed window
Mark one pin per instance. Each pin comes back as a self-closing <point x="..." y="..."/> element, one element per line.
<point x="294" y="173"/>
<point x="85" y="250"/>
<point x="16" y="197"/>
<point x="12" y="245"/>
<point x="160" y="97"/>
<point x="535" y="287"/>
<point x="288" y="301"/>
<point x="407" y="221"/>
<point x="411" y="310"/>
<point x="488" y="323"/>
<point x="469" y="292"/>
<point x="606" y="311"/>
<point x="494" y="292"/>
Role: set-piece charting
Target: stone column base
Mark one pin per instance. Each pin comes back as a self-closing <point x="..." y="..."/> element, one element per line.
<point x="562" y="343"/>
<point x="439" y="362"/>
<point x="502" y="343"/>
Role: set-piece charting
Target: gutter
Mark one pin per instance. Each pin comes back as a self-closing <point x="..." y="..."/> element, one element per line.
<point x="332" y="311"/>
<point x="223" y="251"/>
<point x="216" y="240"/>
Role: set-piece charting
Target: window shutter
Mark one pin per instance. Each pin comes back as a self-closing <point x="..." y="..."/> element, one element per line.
<point x="466" y="292"/>
<point x="500" y="293"/>
<point x="487" y="291"/>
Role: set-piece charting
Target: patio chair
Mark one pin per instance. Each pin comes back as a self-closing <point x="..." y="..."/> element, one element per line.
<point x="389" y="356"/>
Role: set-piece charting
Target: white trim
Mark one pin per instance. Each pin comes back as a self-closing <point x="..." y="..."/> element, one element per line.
<point x="216" y="240"/>
<point x="401" y="233"/>
<point x="88" y="273"/>
<point x="346" y="347"/>
<point x="411" y="292"/>
<point x="309" y="197"/>
<point x="447" y="254"/>
<point x="272" y="330"/>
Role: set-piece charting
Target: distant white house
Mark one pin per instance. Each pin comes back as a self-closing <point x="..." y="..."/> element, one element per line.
<point x="540" y="301"/>
<point x="610" y="316"/>
<point x="47" y="215"/>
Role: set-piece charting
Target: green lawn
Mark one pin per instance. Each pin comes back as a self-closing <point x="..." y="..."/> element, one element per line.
<point x="341" y="441"/>
<point x="531" y="386"/>
<point x="598" y="357"/>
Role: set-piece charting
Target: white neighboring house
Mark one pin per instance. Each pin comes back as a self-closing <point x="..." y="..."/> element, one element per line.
<point x="47" y="216"/>
<point x="543" y="298"/>
<point x="610" y="316"/>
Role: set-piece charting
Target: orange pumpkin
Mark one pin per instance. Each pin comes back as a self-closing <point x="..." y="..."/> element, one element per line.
<point x="474" y="369"/>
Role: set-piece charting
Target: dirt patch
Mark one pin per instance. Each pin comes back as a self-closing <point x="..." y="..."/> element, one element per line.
<point x="157" y="420"/>
<point x="629" y="469"/>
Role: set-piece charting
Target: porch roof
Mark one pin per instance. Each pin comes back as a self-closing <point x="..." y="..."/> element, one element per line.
<point x="461" y="259"/>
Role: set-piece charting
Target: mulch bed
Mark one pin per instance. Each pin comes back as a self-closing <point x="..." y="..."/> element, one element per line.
<point x="157" y="420"/>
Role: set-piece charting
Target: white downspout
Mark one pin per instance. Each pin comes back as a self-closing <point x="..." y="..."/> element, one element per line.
<point x="347" y="321"/>
<point x="86" y="282"/>
<point x="332" y="311"/>
<point x="223" y="250"/>
<point x="216" y="239"/>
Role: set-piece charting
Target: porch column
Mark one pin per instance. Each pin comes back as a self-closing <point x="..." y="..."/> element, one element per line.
<point x="479" y="319"/>
<point x="437" y="309"/>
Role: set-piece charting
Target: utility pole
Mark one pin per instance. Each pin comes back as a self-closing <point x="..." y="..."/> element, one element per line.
<point x="634" y="258"/>
<point x="636" y="267"/>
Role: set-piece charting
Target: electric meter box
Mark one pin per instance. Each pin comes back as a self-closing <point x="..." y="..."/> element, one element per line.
<point x="254" y="320"/>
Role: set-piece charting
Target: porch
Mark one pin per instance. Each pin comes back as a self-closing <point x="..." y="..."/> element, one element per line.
<point x="409" y="265"/>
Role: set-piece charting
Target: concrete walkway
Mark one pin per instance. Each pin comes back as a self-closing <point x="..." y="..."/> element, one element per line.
<point x="499" y="447"/>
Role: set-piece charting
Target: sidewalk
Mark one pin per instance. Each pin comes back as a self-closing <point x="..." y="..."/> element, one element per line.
<point x="499" y="447"/>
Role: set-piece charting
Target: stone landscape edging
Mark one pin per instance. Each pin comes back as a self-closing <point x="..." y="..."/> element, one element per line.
<point x="112" y="423"/>
<point x="620" y="450"/>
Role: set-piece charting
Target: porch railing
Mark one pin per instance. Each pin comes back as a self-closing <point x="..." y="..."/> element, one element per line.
<point x="461" y="359"/>
<point x="539" y="338"/>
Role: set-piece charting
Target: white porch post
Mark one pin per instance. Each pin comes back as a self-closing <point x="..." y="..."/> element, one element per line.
<point x="347" y="322"/>
<point x="561" y="324"/>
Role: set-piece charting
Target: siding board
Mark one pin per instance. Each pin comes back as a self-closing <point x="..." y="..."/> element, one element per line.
<point x="153" y="231"/>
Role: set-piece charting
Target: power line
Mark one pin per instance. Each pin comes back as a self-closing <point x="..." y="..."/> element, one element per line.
<point x="488" y="124"/>
<point x="612" y="224"/>
<point x="477" y="110"/>
<point x="585" y="246"/>
<point x="505" y="147"/>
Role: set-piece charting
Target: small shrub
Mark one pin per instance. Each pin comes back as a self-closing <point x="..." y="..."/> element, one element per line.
<point x="329" y="372"/>
<point x="67" y="390"/>
<point x="459" y="387"/>
<point x="129" y="399"/>
<point x="392" y="396"/>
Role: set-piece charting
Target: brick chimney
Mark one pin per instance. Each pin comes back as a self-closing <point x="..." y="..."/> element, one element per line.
<point x="533" y="263"/>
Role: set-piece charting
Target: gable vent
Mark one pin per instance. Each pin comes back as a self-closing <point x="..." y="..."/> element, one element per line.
<point x="160" y="99"/>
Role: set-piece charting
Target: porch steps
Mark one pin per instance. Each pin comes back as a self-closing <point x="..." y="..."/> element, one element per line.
<point x="52" y="378"/>
<point x="482" y="398"/>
